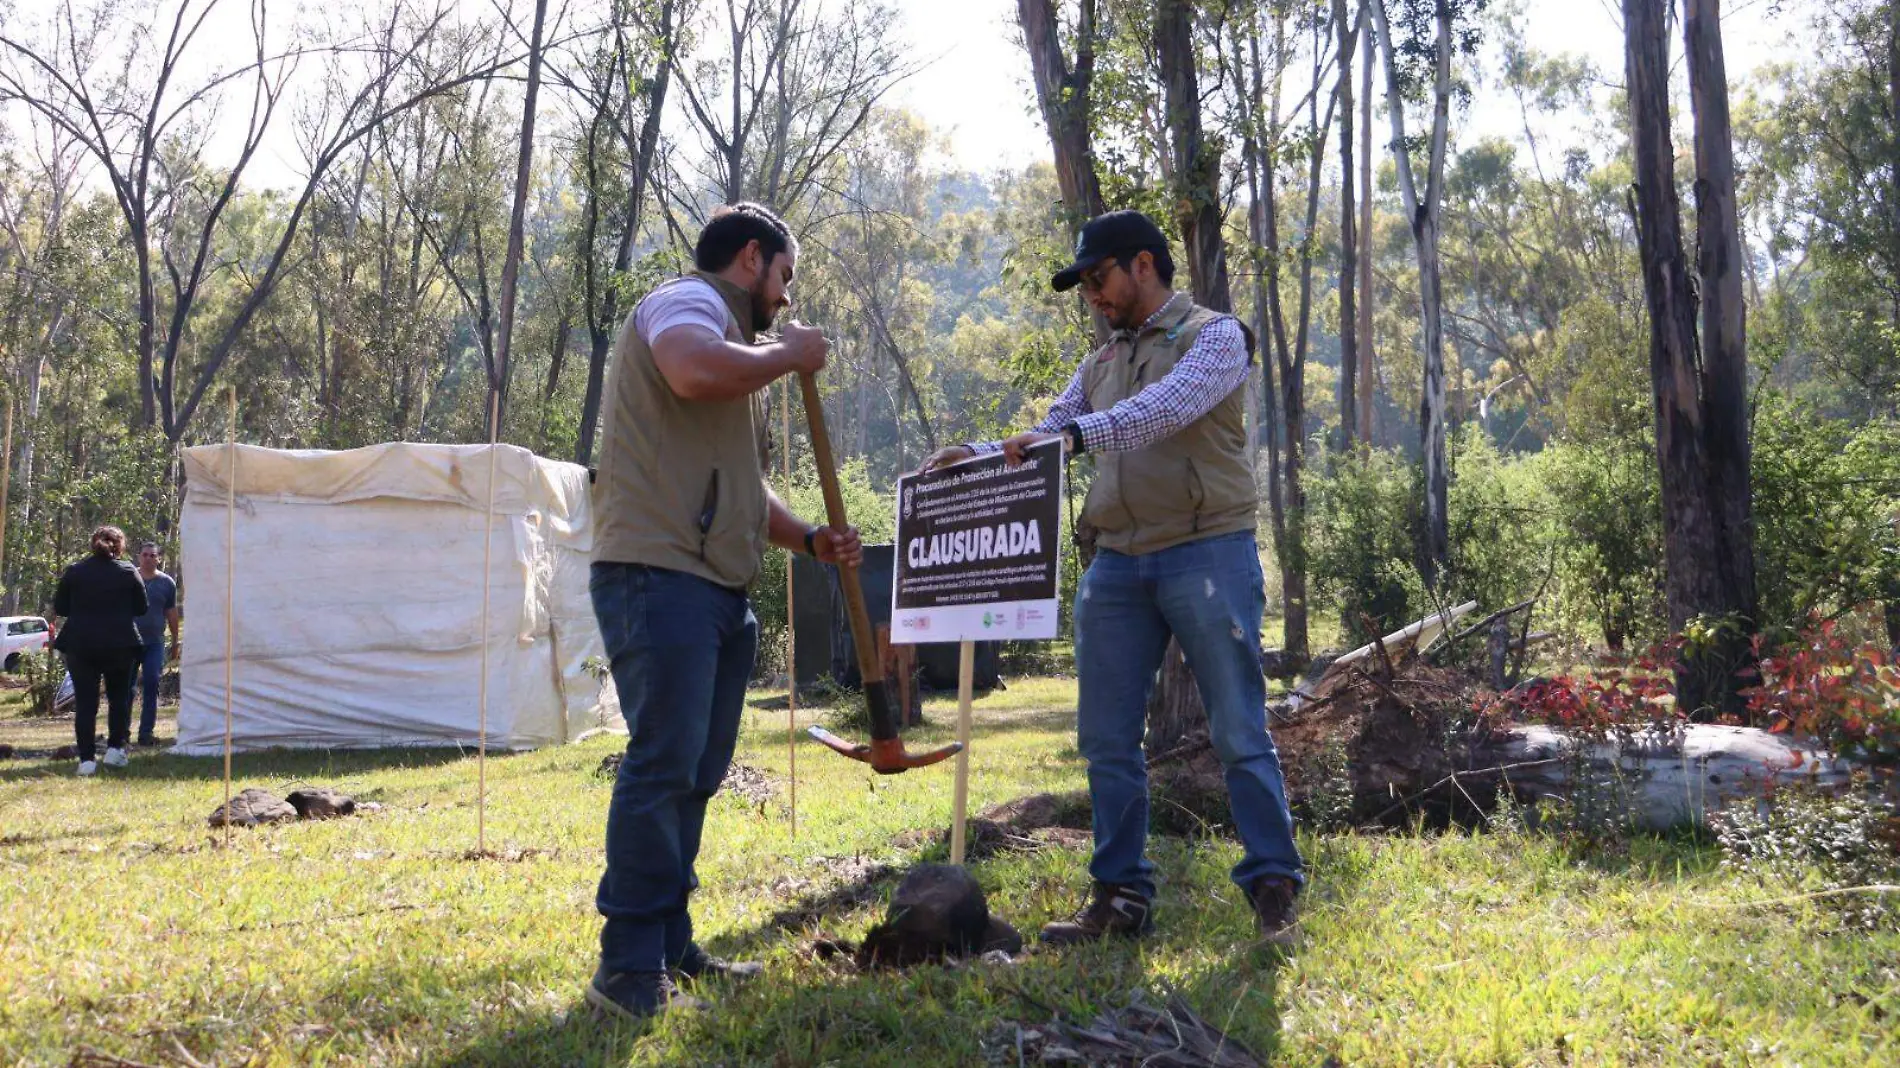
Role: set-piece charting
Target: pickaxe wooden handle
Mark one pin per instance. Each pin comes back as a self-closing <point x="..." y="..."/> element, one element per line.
<point x="886" y="753"/>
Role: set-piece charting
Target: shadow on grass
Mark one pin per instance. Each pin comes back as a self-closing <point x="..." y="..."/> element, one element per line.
<point x="47" y="837"/>
<point x="272" y="764"/>
<point x="938" y="1015"/>
<point x="581" y="1038"/>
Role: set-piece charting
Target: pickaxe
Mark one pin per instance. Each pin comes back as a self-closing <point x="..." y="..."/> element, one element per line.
<point x="885" y="753"/>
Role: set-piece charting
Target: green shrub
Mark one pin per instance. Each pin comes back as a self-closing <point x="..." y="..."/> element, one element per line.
<point x="1499" y="521"/>
<point x="1605" y="503"/>
<point x="1827" y="497"/>
<point x="43" y="671"/>
<point x="1361" y="522"/>
<point x="1364" y="518"/>
<point x="1806" y="840"/>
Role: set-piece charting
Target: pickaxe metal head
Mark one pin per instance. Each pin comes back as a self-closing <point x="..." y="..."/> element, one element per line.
<point x="887" y="756"/>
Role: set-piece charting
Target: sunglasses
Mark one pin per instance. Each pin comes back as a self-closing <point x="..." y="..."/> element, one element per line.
<point x="1096" y="277"/>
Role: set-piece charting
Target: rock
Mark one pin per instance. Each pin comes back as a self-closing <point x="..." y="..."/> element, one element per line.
<point x="1000" y="937"/>
<point x="321" y="803"/>
<point x="254" y="806"/>
<point x="66" y="752"/>
<point x="938" y="910"/>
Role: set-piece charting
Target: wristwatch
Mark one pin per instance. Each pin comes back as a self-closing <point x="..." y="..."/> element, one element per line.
<point x="811" y="541"/>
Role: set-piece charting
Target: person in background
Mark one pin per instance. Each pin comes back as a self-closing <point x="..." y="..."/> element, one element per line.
<point x="96" y="604"/>
<point x="161" y="597"/>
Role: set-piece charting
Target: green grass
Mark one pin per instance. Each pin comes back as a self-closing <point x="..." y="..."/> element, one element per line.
<point x="125" y="928"/>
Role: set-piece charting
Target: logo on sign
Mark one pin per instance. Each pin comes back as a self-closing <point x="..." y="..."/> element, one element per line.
<point x="908" y="491"/>
<point x="916" y="623"/>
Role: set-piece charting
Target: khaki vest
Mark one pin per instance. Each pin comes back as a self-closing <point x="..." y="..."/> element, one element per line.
<point x="1195" y="484"/>
<point x="681" y="483"/>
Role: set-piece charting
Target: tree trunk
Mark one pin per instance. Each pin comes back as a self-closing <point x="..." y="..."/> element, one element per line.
<point x="1730" y="579"/>
<point x="1293" y="381"/>
<point x="1062" y="93"/>
<point x="601" y="328"/>
<point x="1423" y="210"/>
<point x="517" y="220"/>
<point x="1363" y="377"/>
<point x="1259" y="233"/>
<point x="1196" y="163"/>
<point x="1432" y="402"/>
<point x="1697" y="550"/>
<point x="1657" y="782"/>
<point x="1893" y="118"/>
<point x="6" y="481"/>
<point x="1285" y="496"/>
<point x="1348" y="238"/>
<point x="1175" y="708"/>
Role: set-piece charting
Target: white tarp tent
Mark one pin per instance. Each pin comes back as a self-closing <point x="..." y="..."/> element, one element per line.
<point x="359" y="593"/>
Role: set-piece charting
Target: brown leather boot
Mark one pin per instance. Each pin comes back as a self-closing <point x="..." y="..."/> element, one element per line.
<point x="1113" y="910"/>
<point x="1273" y="909"/>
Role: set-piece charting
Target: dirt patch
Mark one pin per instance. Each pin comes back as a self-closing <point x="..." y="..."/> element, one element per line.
<point x="1366" y="736"/>
<point x="1027" y="823"/>
<point x="743" y="781"/>
<point x="849" y="883"/>
<point x="751" y="784"/>
<point x="1373" y="736"/>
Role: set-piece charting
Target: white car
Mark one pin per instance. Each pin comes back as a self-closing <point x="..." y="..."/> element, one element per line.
<point x="20" y="635"/>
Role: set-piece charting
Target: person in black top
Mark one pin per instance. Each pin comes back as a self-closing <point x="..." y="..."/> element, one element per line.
<point x="98" y="598"/>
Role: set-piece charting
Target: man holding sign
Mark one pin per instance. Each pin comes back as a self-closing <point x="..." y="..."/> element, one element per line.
<point x="1163" y="406"/>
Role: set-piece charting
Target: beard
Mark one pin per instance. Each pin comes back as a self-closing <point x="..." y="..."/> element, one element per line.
<point x="763" y="312"/>
<point x="1121" y="317"/>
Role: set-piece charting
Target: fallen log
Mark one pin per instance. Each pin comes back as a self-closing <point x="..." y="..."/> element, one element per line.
<point x="1664" y="778"/>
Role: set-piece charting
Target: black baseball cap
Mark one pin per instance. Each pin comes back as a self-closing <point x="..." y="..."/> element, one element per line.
<point x="1120" y="234"/>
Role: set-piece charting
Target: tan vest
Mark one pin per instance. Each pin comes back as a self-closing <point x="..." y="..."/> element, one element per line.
<point x="681" y="483"/>
<point x="1194" y="484"/>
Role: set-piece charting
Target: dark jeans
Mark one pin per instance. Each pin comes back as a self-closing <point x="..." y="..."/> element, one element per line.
<point x="150" y="662"/>
<point x="681" y="649"/>
<point x="89" y="669"/>
<point x="1208" y="595"/>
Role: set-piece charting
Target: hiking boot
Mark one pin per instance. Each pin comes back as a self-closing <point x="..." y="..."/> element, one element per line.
<point x="87" y="767"/>
<point x="1274" y="913"/>
<point x="116" y="758"/>
<point x="699" y="964"/>
<point x="148" y="741"/>
<point x="1113" y="910"/>
<point x="636" y="996"/>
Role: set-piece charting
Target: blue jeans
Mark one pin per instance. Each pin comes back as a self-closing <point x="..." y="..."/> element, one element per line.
<point x="1209" y="596"/>
<point x="681" y="649"/>
<point x="150" y="663"/>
